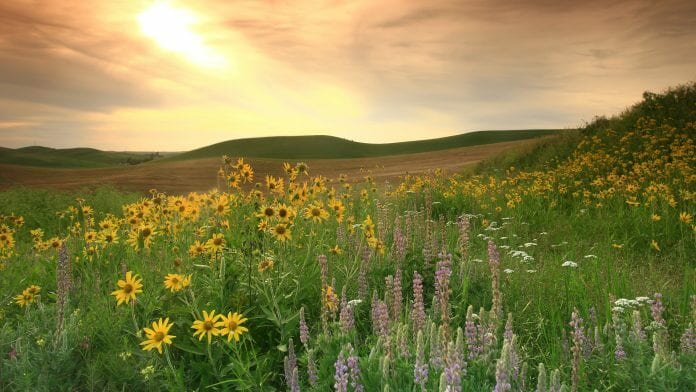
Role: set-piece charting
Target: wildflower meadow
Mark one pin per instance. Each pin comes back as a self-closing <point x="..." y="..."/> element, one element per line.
<point x="567" y="267"/>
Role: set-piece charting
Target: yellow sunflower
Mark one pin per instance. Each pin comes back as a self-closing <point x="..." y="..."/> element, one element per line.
<point x="281" y="232"/>
<point x="128" y="288"/>
<point x="176" y="282"/>
<point x="207" y="326"/>
<point x="196" y="249"/>
<point x="265" y="265"/>
<point x="215" y="244"/>
<point x="231" y="326"/>
<point x="25" y="298"/>
<point x="158" y="335"/>
<point x="316" y="213"/>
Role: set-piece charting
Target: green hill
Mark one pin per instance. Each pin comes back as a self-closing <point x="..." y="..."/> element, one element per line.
<point x="328" y="147"/>
<point x="70" y="157"/>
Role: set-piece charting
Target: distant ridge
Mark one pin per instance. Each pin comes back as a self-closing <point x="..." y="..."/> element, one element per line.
<point x="274" y="147"/>
<point x="70" y="157"/>
<point x="329" y="147"/>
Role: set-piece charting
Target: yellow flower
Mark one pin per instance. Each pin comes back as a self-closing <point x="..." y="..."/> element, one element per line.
<point x="128" y="288"/>
<point x="207" y="326"/>
<point x="266" y="265"/>
<point x="617" y="246"/>
<point x="655" y="217"/>
<point x="336" y="250"/>
<point x="285" y="213"/>
<point x="231" y="326"/>
<point x="316" y="213"/>
<point x="215" y="244"/>
<point x="329" y="298"/>
<point x="196" y="249"/>
<point x="176" y="282"/>
<point x="655" y="245"/>
<point x="34" y="289"/>
<point x="281" y="232"/>
<point x="685" y="217"/>
<point x="158" y="335"/>
<point x="25" y="298"/>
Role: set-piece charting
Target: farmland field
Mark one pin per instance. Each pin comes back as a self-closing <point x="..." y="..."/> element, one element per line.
<point x="567" y="263"/>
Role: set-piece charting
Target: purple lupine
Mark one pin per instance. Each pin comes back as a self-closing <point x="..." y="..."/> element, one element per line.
<point x="494" y="264"/>
<point x="362" y="274"/>
<point x="463" y="224"/>
<point x="472" y="338"/>
<point x="507" y="335"/>
<point x="442" y="276"/>
<point x="353" y="363"/>
<point x="341" y="374"/>
<point x="389" y="291"/>
<point x="420" y="369"/>
<point x="688" y="340"/>
<point x="453" y="370"/>
<point x="290" y="367"/>
<point x="399" y="244"/>
<point x="418" y="313"/>
<point x="578" y="336"/>
<point x="436" y="354"/>
<point x="502" y="369"/>
<point x="657" y="308"/>
<point x="619" y="330"/>
<point x="637" y="332"/>
<point x="397" y="297"/>
<point x="402" y="341"/>
<point x="380" y="321"/>
<point x="312" y="373"/>
<point x="304" y="329"/>
<point x="324" y="266"/>
<point x="660" y="345"/>
<point x="346" y="316"/>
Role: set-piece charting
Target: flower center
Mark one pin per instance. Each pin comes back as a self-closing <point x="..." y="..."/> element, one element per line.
<point x="159" y="336"/>
<point x="232" y="325"/>
<point x="217" y="241"/>
<point x="280" y="230"/>
<point x="268" y="211"/>
<point x="316" y="211"/>
<point x="128" y="288"/>
<point x="208" y="325"/>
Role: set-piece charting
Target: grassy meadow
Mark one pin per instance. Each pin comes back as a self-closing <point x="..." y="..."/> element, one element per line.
<point x="567" y="266"/>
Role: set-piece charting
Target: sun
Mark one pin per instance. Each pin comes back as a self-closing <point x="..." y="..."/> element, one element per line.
<point x="171" y="28"/>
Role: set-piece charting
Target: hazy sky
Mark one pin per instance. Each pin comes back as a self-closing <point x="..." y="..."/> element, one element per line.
<point x="175" y="75"/>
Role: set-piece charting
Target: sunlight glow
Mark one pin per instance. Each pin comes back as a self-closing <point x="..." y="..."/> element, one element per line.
<point x="170" y="28"/>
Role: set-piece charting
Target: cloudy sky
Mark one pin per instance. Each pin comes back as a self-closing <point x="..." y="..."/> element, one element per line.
<point x="175" y="75"/>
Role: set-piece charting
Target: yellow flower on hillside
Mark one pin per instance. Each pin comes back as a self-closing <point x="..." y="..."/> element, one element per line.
<point x="215" y="244"/>
<point x="158" y="335"/>
<point x="281" y="232"/>
<point x="685" y="217"/>
<point x="196" y="249"/>
<point x="285" y="213"/>
<point x="329" y="298"/>
<point x="232" y="326"/>
<point x="316" y="213"/>
<point x="207" y="326"/>
<point x="655" y="245"/>
<point x="655" y="218"/>
<point x="176" y="282"/>
<point x="25" y="298"/>
<point x="128" y="288"/>
<point x="265" y="265"/>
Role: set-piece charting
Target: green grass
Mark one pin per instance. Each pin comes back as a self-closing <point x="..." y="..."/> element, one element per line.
<point x="69" y="157"/>
<point x="329" y="147"/>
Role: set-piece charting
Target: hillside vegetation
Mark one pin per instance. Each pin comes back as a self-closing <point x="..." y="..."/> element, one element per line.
<point x="71" y="157"/>
<point x="572" y="270"/>
<point x="329" y="147"/>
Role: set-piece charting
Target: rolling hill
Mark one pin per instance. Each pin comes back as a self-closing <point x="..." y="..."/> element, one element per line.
<point x="70" y="157"/>
<point x="330" y="147"/>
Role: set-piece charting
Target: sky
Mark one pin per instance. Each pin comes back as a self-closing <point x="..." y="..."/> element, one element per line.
<point x="177" y="75"/>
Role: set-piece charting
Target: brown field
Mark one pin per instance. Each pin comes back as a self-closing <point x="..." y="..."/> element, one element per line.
<point x="201" y="174"/>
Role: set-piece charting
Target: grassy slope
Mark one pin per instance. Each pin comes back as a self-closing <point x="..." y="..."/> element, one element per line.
<point x="327" y="147"/>
<point x="69" y="157"/>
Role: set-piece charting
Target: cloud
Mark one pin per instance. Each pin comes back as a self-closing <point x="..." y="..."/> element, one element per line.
<point x="368" y="70"/>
